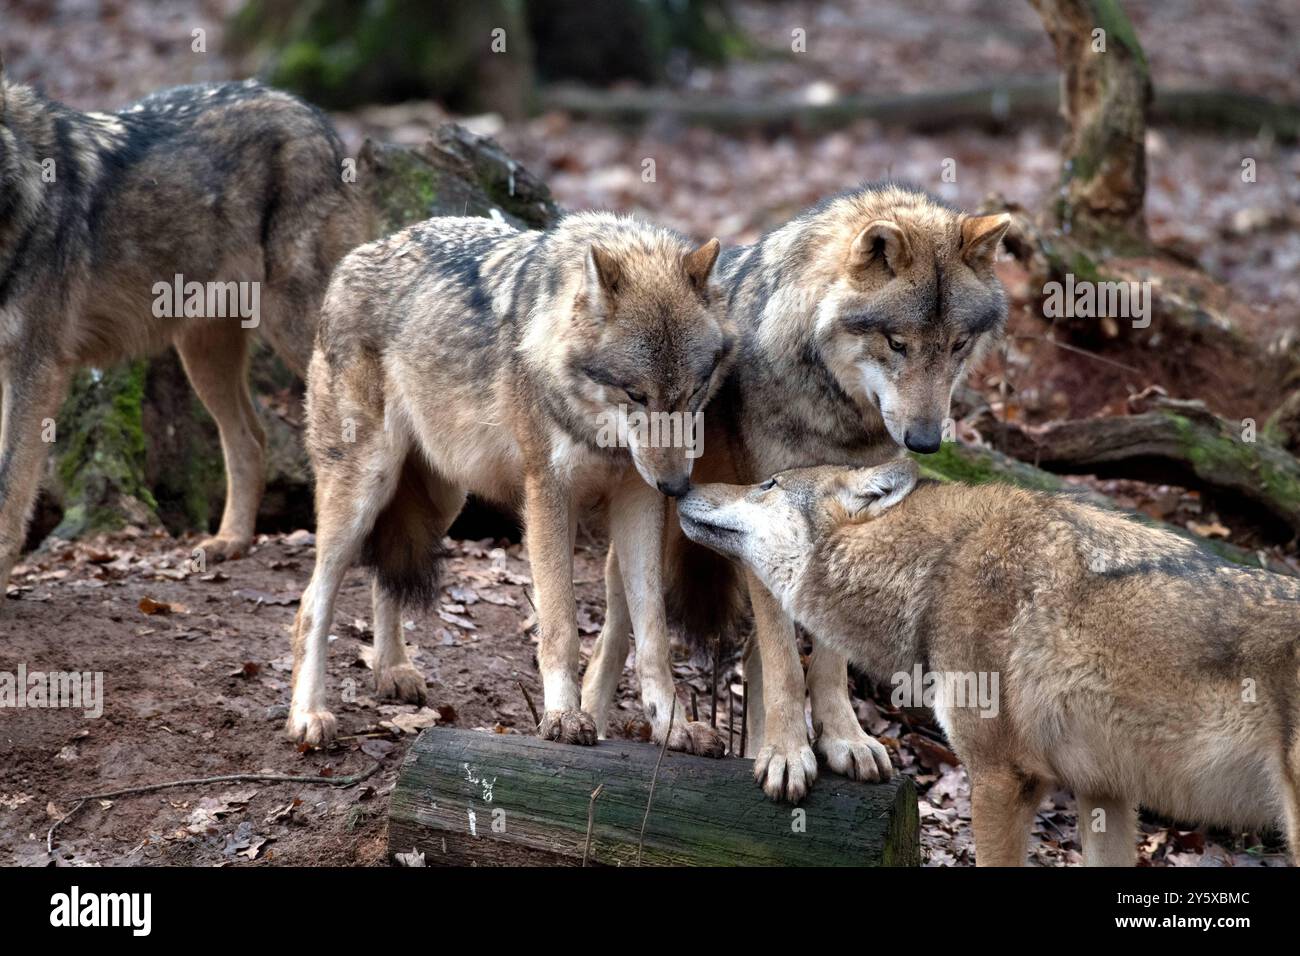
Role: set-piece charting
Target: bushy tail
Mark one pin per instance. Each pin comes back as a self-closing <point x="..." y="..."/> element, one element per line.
<point x="704" y="592"/>
<point x="405" y="546"/>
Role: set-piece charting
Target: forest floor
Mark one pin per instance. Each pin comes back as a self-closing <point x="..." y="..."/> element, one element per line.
<point x="202" y="690"/>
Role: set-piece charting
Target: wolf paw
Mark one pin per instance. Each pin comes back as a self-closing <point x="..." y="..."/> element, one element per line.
<point x="568" y="727"/>
<point x="221" y="548"/>
<point x="402" y="682"/>
<point x="697" y="737"/>
<point x="786" y="773"/>
<point x="315" y="728"/>
<point x="860" y="757"/>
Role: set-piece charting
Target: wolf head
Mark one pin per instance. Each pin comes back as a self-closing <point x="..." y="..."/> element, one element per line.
<point x="649" y="345"/>
<point x="773" y="527"/>
<point x="911" y="301"/>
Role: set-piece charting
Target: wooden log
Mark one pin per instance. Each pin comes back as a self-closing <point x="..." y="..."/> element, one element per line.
<point x="1178" y="442"/>
<point x="978" y="465"/>
<point x="470" y="797"/>
<point x="993" y="106"/>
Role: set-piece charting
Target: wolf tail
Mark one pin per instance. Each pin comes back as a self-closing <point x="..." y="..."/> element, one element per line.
<point x="704" y="592"/>
<point x="404" y="548"/>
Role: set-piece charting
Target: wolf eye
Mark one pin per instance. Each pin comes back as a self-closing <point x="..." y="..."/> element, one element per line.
<point x="959" y="345"/>
<point x="636" y="398"/>
<point x="767" y="485"/>
<point x="897" y="346"/>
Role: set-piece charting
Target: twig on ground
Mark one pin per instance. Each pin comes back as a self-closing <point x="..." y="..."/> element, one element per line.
<point x="532" y="709"/>
<point x="731" y="721"/>
<point x="591" y="819"/>
<point x="640" y="845"/>
<point x="744" y="716"/>
<point x="199" y="781"/>
<point x="717" y="664"/>
<point x="1079" y="351"/>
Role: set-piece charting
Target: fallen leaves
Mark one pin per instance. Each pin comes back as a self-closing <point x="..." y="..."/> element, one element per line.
<point x="153" y="606"/>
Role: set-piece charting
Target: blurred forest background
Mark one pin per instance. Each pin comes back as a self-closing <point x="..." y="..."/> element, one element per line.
<point x="1175" y="163"/>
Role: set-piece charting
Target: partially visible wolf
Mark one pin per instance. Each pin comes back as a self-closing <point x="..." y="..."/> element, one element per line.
<point x="462" y="355"/>
<point x="1133" y="667"/>
<point x="856" y="319"/>
<point x="231" y="183"/>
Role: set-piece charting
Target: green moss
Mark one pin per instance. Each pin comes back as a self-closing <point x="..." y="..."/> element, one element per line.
<point x="1271" y="467"/>
<point x="956" y="462"/>
<point x="102" y="459"/>
<point x="1110" y="16"/>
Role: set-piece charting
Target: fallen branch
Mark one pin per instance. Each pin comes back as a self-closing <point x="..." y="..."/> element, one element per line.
<point x="1175" y="442"/>
<point x="993" y="105"/>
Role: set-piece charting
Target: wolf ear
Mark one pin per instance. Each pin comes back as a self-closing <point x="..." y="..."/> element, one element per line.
<point x="876" y="490"/>
<point x="603" y="271"/>
<point x="980" y="236"/>
<point x="883" y="241"/>
<point x="699" y="264"/>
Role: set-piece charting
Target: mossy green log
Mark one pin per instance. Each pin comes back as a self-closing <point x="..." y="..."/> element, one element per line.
<point x="981" y="465"/>
<point x="468" y="797"/>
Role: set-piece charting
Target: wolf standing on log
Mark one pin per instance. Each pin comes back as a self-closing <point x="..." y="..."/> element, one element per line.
<point x="230" y="186"/>
<point x="464" y="356"/>
<point x="856" y="319"/>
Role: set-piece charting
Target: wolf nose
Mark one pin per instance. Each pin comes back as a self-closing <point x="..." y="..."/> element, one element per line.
<point x="675" y="487"/>
<point x="924" y="439"/>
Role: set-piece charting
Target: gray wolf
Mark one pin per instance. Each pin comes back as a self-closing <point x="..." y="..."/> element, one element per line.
<point x="1135" y="667"/>
<point x="464" y="356"/>
<point x="234" y="187"/>
<point x="856" y="321"/>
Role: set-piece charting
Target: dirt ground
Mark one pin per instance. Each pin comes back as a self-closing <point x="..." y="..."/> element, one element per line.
<point x="200" y="687"/>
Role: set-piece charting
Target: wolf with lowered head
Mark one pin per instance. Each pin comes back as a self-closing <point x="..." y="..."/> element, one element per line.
<point x="465" y="356"/>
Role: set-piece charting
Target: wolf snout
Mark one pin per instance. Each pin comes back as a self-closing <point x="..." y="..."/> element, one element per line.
<point x="924" y="438"/>
<point x="674" y="487"/>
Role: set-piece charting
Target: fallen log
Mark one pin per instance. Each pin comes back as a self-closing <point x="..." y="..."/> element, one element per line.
<point x="992" y="106"/>
<point x="1175" y="442"/>
<point x="474" y="798"/>
<point x="978" y="465"/>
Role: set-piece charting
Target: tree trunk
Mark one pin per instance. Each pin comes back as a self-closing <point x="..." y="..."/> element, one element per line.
<point x="474" y="798"/>
<point x="1105" y="94"/>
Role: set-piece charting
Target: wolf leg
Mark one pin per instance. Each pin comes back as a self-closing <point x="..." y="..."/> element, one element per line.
<point x="346" y="509"/>
<point x="395" y="676"/>
<point x="605" y="668"/>
<point x="1002" y="808"/>
<point x="636" y="528"/>
<point x="1108" y="837"/>
<point x="32" y="391"/>
<point x="550" y="527"/>
<point x="215" y="356"/>
<point x="405" y="549"/>
<point x="848" y="749"/>
<point x="785" y="766"/>
<point x="753" y="664"/>
<point x="1289" y="785"/>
